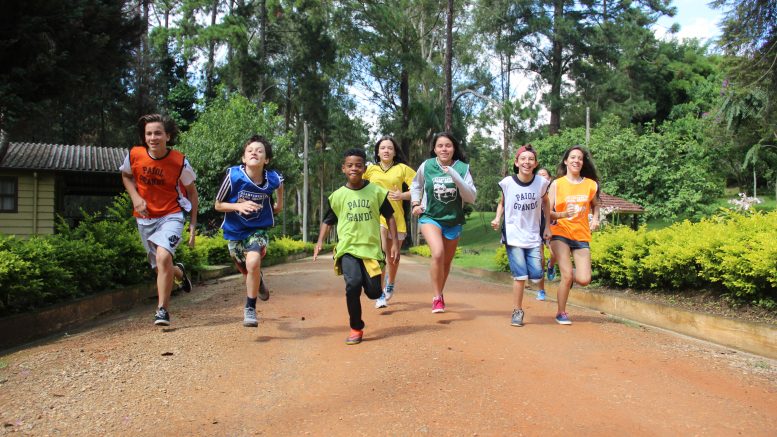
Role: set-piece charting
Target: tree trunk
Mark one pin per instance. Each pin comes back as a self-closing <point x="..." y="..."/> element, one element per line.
<point x="448" y="93"/>
<point x="506" y="128"/>
<point x="210" y="68"/>
<point x="404" y="97"/>
<point x="143" y="103"/>
<point x="556" y="70"/>
<point x="262" y="48"/>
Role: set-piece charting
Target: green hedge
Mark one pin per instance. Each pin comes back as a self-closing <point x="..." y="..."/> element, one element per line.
<point x="423" y="250"/>
<point x="101" y="253"/>
<point x="736" y="254"/>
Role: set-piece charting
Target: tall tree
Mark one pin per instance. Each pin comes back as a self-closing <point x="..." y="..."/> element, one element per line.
<point x="63" y="70"/>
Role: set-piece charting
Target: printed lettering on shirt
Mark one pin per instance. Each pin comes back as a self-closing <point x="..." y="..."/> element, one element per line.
<point x="258" y="198"/>
<point x="358" y="210"/>
<point x="152" y="176"/>
<point x="444" y="189"/>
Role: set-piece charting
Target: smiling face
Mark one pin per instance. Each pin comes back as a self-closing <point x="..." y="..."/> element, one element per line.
<point x="386" y="152"/>
<point x="526" y="162"/>
<point x="574" y="162"/>
<point x="353" y="168"/>
<point x="544" y="173"/>
<point x="444" y="150"/>
<point x="156" y="138"/>
<point x="255" y="155"/>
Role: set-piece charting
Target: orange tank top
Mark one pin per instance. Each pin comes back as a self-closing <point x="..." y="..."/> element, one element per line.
<point x="157" y="180"/>
<point x="581" y="195"/>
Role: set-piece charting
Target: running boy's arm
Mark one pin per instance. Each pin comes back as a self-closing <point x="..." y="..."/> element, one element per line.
<point x="499" y="210"/>
<point x="244" y="208"/>
<point x="194" y="199"/>
<point x="138" y="203"/>
<point x="278" y="206"/>
<point x="330" y="219"/>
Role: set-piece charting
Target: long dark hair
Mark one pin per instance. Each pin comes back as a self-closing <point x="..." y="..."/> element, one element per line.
<point x="588" y="170"/>
<point x="457" y="152"/>
<point x="399" y="156"/>
<point x="169" y="124"/>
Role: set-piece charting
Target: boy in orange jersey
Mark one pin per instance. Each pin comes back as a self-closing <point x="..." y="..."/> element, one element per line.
<point x="152" y="175"/>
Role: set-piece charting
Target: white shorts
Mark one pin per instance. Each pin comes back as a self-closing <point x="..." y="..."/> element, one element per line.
<point x="160" y="232"/>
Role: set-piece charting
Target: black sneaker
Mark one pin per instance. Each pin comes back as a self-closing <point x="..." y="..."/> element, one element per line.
<point x="264" y="292"/>
<point x="186" y="283"/>
<point x="162" y="317"/>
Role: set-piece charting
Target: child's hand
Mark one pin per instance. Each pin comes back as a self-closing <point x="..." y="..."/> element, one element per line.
<point x="396" y="194"/>
<point x="247" y="207"/>
<point x="418" y="210"/>
<point x="316" y="250"/>
<point x="495" y="224"/>
<point x="140" y="207"/>
<point x="192" y="235"/>
<point x="394" y="252"/>
<point x="547" y="235"/>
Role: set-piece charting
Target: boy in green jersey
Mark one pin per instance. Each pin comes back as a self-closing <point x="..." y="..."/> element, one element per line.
<point x="356" y="209"/>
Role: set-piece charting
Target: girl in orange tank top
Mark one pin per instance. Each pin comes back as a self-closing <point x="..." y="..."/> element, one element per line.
<point x="573" y="196"/>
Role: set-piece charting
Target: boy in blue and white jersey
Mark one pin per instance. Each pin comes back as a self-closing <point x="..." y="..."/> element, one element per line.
<point x="246" y="199"/>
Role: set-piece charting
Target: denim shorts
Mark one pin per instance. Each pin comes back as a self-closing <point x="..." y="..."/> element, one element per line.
<point x="573" y="244"/>
<point x="449" y="232"/>
<point x="525" y="263"/>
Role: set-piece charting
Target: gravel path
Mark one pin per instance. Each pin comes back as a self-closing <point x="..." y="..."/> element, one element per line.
<point x="464" y="372"/>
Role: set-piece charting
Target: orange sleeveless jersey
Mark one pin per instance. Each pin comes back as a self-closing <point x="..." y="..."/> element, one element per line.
<point x="157" y="180"/>
<point x="582" y="194"/>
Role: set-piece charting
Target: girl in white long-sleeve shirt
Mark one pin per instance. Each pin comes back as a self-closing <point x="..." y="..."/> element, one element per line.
<point x="441" y="187"/>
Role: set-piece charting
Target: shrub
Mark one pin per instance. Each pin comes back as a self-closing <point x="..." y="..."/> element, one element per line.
<point x="423" y="250"/>
<point x="737" y="254"/>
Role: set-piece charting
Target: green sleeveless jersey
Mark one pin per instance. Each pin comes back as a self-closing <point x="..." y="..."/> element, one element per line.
<point x="443" y="203"/>
<point x="358" y="221"/>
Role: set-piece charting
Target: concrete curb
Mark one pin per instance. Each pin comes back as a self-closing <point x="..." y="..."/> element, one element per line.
<point x="22" y="328"/>
<point x="755" y="338"/>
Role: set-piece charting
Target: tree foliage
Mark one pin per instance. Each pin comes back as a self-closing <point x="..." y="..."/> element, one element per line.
<point x="215" y="142"/>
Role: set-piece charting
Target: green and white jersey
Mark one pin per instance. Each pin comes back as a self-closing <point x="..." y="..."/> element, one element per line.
<point x="443" y="194"/>
<point x="358" y="220"/>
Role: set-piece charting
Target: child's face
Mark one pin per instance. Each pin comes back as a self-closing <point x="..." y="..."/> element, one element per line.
<point x="544" y="173"/>
<point x="353" y="168"/>
<point x="386" y="151"/>
<point x="444" y="149"/>
<point x="574" y="161"/>
<point x="155" y="136"/>
<point x="526" y="163"/>
<point x="254" y="155"/>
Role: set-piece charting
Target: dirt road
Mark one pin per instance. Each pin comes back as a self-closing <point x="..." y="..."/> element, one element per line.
<point x="464" y="372"/>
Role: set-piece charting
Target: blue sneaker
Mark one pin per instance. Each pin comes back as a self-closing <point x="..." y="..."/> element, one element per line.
<point x="551" y="271"/>
<point x="563" y="319"/>
<point x="541" y="295"/>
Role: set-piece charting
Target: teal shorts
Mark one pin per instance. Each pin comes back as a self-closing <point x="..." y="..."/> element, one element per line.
<point x="449" y="232"/>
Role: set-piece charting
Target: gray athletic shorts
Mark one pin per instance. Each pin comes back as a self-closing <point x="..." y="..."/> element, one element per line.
<point x="160" y="232"/>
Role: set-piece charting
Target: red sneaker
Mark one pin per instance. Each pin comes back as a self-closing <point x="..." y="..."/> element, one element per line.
<point x="438" y="304"/>
<point x="355" y="337"/>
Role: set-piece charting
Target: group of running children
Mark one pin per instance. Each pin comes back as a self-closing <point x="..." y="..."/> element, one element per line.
<point x="369" y="217"/>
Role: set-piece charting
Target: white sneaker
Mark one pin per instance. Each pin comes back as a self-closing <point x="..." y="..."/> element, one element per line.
<point x="250" y="319"/>
<point x="381" y="302"/>
<point x="388" y="292"/>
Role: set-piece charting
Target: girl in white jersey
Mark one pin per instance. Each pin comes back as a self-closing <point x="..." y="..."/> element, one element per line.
<point x="523" y="198"/>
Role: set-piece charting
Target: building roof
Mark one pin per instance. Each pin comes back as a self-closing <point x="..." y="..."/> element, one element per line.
<point x="619" y="204"/>
<point x="59" y="157"/>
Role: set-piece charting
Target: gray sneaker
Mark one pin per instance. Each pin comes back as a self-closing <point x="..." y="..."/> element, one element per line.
<point x="249" y="318"/>
<point x="517" y="319"/>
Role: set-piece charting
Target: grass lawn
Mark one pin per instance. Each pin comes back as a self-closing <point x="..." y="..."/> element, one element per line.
<point x="478" y="242"/>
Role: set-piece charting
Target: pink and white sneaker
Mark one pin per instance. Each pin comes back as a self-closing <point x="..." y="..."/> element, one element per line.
<point x="438" y="304"/>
